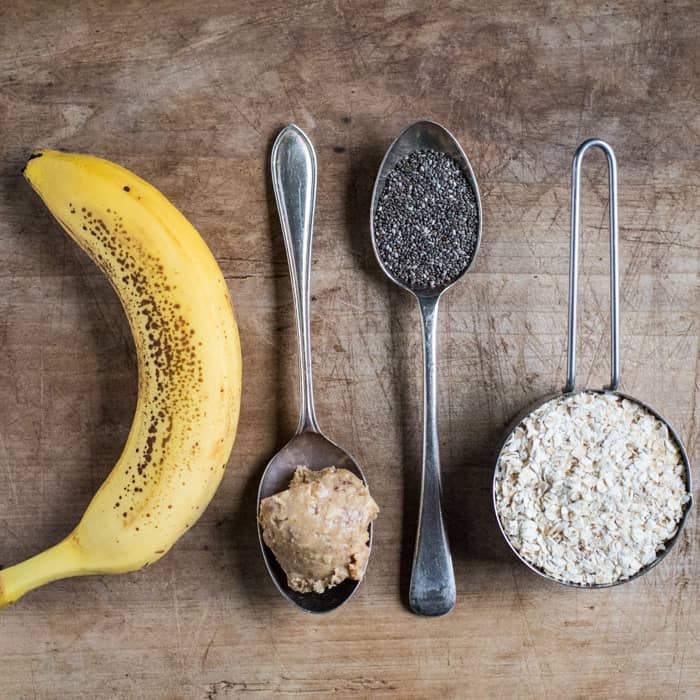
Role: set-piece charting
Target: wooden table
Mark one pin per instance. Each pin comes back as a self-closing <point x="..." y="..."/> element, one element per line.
<point x="190" y="96"/>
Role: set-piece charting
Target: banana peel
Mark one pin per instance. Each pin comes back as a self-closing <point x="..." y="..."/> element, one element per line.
<point x="189" y="369"/>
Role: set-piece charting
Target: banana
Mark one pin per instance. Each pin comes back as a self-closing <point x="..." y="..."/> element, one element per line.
<point x="189" y="369"/>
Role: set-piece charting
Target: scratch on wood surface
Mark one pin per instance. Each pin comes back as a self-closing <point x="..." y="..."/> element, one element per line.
<point x="379" y="376"/>
<point x="221" y="689"/>
<point x="208" y="648"/>
<point x="522" y="613"/>
<point x="354" y="45"/>
<point x="32" y="678"/>
<point x="176" y="610"/>
<point x="8" y="469"/>
<point x="246" y="118"/>
<point x="692" y="440"/>
<point x="680" y="674"/>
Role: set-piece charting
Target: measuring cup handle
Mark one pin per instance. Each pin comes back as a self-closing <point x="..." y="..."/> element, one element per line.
<point x="573" y="263"/>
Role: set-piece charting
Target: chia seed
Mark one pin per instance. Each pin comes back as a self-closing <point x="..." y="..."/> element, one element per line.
<point x="427" y="221"/>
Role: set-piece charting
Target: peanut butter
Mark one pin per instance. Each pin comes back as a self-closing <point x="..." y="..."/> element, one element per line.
<point x="318" y="528"/>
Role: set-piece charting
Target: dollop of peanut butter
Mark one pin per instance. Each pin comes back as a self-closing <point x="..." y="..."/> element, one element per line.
<point x="318" y="528"/>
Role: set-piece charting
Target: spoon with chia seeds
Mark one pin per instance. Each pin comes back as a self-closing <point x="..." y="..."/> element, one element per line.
<point x="426" y="227"/>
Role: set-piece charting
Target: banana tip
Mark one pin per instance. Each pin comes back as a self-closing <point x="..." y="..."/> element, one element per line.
<point x="36" y="154"/>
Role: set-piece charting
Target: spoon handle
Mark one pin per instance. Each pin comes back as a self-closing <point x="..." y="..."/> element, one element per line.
<point x="293" y="165"/>
<point x="432" y="591"/>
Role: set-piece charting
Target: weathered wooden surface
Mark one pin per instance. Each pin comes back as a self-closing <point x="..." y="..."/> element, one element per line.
<point x="189" y="95"/>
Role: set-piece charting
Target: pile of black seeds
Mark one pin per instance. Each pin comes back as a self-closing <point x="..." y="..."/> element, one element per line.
<point x="426" y="222"/>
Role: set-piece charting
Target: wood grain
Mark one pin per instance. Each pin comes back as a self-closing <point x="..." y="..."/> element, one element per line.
<point x="189" y="95"/>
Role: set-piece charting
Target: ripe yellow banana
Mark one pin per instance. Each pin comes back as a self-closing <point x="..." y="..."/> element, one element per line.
<point x="180" y="314"/>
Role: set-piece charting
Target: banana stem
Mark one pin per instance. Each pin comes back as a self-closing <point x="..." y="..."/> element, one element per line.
<point x="60" y="561"/>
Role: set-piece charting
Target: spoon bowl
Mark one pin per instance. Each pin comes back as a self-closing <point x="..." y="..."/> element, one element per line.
<point x="315" y="451"/>
<point x="420" y="135"/>
<point x="293" y="165"/>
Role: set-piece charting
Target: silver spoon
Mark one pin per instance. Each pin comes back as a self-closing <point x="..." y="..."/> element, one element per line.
<point x="432" y="589"/>
<point x="293" y="164"/>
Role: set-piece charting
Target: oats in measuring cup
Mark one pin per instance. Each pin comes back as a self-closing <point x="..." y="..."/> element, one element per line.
<point x="590" y="487"/>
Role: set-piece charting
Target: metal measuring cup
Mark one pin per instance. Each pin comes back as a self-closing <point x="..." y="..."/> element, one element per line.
<point x="612" y="389"/>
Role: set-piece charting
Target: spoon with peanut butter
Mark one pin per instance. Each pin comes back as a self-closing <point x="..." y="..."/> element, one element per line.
<point x="314" y="510"/>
